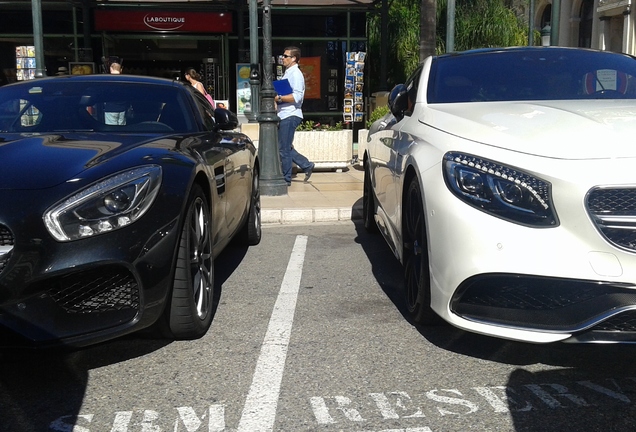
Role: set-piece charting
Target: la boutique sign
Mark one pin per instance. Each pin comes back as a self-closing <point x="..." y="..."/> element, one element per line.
<point x="164" y="22"/>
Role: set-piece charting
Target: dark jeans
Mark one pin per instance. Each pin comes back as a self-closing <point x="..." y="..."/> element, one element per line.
<point x="286" y="129"/>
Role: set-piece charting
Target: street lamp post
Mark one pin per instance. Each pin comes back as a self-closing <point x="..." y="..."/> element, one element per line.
<point x="36" y="6"/>
<point x="555" y="22"/>
<point x="450" y="26"/>
<point x="255" y="79"/>
<point x="531" y="24"/>
<point x="272" y="181"/>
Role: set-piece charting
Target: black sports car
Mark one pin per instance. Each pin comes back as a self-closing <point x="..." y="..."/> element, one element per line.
<point x="117" y="192"/>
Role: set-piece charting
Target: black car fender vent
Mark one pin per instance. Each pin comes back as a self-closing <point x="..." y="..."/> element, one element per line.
<point x="219" y="177"/>
<point x="541" y="303"/>
<point x="107" y="289"/>
<point x="6" y="246"/>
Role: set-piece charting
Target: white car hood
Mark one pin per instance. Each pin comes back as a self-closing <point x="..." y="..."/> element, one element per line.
<point x="587" y="129"/>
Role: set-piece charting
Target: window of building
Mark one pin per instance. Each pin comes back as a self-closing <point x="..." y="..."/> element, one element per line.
<point x="585" y="26"/>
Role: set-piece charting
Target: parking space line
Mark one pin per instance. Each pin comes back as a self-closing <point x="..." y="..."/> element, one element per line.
<point x="259" y="411"/>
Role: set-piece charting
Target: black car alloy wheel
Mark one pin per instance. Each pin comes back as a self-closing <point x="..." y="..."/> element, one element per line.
<point x="251" y="232"/>
<point x="190" y="313"/>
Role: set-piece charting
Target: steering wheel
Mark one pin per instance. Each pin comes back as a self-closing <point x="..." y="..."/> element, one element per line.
<point x="149" y="126"/>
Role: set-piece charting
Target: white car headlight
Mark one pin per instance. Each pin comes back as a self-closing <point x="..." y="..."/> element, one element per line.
<point x="107" y="205"/>
<point x="502" y="191"/>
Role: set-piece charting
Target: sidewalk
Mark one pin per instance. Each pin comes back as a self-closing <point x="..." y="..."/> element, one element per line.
<point x="328" y="197"/>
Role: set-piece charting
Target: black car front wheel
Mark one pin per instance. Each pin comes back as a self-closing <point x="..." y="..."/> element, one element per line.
<point x="251" y="232"/>
<point x="191" y="307"/>
<point x="417" y="287"/>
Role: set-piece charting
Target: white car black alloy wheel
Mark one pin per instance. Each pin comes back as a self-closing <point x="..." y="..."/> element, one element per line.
<point x="368" y="203"/>
<point x="416" y="272"/>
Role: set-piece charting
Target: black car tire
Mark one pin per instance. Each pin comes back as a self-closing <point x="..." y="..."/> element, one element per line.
<point x="191" y="307"/>
<point x="417" y="288"/>
<point x="251" y="231"/>
<point x="368" y="203"/>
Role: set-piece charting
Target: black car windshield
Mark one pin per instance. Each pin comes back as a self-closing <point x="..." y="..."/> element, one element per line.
<point x="61" y="105"/>
<point x="532" y="74"/>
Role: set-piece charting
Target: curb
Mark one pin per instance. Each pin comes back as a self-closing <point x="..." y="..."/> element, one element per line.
<point x="310" y="215"/>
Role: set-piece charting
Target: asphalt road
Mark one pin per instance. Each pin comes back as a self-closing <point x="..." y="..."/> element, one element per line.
<point x="310" y="335"/>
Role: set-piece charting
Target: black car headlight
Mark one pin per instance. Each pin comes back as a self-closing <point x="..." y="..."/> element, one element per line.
<point x="502" y="191"/>
<point x="110" y="204"/>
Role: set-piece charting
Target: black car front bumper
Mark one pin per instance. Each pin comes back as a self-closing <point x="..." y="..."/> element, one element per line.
<point x="87" y="291"/>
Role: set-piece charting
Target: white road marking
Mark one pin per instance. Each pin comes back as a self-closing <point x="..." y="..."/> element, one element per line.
<point x="259" y="411"/>
<point x="414" y="429"/>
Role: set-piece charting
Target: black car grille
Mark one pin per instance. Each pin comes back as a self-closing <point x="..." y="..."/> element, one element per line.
<point x="613" y="211"/>
<point x="109" y="289"/>
<point x="6" y="240"/>
<point x="540" y="303"/>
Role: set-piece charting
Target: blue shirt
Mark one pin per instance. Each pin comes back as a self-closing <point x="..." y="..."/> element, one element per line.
<point x="297" y="83"/>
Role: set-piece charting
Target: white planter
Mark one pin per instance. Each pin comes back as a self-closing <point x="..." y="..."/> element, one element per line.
<point x="327" y="149"/>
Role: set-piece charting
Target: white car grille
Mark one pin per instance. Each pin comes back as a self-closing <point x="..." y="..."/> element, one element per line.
<point x="613" y="210"/>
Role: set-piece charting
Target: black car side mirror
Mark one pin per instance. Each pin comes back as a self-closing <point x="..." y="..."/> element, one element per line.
<point x="225" y="119"/>
<point x="398" y="101"/>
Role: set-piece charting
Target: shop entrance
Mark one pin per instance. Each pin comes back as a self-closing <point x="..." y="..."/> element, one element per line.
<point x="169" y="56"/>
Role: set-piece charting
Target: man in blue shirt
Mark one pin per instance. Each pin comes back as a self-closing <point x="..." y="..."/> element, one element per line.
<point x="290" y="113"/>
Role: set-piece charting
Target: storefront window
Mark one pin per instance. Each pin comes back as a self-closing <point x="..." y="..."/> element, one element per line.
<point x="585" y="27"/>
<point x="323" y="42"/>
<point x="309" y="25"/>
<point x="54" y="21"/>
<point x="324" y="36"/>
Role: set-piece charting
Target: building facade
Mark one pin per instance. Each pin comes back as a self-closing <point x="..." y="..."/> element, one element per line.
<point x="600" y="24"/>
<point x="164" y="38"/>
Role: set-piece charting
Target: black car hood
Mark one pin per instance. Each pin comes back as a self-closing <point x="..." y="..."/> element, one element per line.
<point x="42" y="161"/>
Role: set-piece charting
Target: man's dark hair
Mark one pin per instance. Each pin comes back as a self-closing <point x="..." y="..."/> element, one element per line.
<point x="294" y="51"/>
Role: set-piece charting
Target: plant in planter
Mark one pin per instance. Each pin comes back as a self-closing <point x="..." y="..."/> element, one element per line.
<point x="377" y="114"/>
<point x="310" y="125"/>
<point x="325" y="145"/>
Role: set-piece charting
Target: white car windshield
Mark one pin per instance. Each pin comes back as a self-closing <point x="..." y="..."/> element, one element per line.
<point x="539" y="74"/>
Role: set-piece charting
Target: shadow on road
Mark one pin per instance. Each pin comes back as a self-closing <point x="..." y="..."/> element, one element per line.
<point x="551" y="387"/>
<point x="388" y="272"/>
<point x="576" y="398"/>
<point x="43" y="390"/>
<point x="37" y="387"/>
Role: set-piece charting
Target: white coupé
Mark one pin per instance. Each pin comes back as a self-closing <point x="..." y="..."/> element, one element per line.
<point x="504" y="180"/>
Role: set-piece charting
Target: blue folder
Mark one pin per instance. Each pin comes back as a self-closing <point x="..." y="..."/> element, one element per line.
<point x="282" y="87"/>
